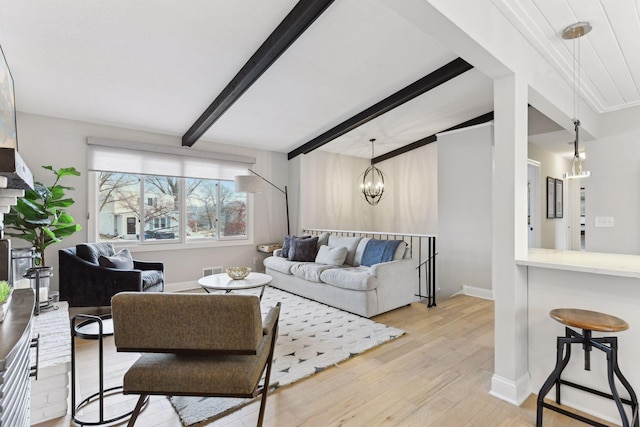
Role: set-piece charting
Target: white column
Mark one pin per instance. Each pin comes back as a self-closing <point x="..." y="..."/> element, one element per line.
<point x="511" y="381"/>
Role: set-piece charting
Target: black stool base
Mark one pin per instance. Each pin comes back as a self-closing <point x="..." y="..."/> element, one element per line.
<point x="608" y="345"/>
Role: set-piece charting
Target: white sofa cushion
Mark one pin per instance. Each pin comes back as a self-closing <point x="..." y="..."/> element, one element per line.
<point x="356" y="278"/>
<point x="400" y="251"/>
<point x="309" y="270"/>
<point x="360" y="250"/>
<point x="280" y="264"/>
<point x="323" y="239"/>
<point x="351" y="243"/>
<point x="331" y="256"/>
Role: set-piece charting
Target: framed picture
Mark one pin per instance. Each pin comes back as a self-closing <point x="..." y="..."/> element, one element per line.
<point x="551" y="198"/>
<point x="559" y="198"/>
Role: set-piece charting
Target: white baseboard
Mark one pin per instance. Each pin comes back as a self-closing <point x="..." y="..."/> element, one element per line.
<point x="478" y="292"/>
<point x="182" y="286"/>
<point x="514" y="392"/>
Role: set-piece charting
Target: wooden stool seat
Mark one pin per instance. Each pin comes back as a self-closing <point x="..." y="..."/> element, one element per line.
<point x="589" y="320"/>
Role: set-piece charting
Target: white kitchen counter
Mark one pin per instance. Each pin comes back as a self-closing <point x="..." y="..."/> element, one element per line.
<point x="593" y="281"/>
<point x="585" y="262"/>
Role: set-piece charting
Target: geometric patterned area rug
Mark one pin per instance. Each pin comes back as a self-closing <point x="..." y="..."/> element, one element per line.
<point x="312" y="337"/>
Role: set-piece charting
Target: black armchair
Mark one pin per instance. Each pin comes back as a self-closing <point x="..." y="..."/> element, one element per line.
<point x="84" y="283"/>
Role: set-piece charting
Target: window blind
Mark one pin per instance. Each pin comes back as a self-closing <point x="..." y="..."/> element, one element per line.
<point x="107" y="155"/>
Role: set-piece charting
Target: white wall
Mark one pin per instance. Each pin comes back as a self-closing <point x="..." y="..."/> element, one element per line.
<point x="553" y="232"/>
<point x="613" y="190"/>
<point x="62" y="143"/>
<point x="465" y="167"/>
<point x="411" y="204"/>
<point x="330" y="193"/>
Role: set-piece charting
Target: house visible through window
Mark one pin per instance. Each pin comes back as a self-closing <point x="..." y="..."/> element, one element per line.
<point x="174" y="209"/>
<point x="148" y="193"/>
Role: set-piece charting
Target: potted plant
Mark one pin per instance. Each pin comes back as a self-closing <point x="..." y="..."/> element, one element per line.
<point x="41" y="217"/>
<point x="5" y="298"/>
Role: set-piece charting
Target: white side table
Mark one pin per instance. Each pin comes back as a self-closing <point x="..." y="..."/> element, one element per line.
<point x="222" y="282"/>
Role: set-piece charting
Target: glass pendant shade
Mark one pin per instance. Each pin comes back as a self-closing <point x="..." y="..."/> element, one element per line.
<point x="372" y="183"/>
<point x="577" y="170"/>
<point x="574" y="32"/>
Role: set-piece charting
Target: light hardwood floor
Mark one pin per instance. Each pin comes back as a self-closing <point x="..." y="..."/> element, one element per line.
<point x="438" y="374"/>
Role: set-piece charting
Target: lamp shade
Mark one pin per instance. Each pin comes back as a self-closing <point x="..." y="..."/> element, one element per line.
<point x="248" y="184"/>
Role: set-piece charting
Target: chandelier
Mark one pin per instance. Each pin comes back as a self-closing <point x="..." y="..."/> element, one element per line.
<point x="372" y="185"/>
<point x="574" y="32"/>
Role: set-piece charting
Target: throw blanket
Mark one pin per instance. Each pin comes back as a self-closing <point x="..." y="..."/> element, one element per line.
<point x="378" y="251"/>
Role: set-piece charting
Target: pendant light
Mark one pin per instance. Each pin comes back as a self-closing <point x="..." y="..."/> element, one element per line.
<point x="574" y="32"/>
<point x="372" y="185"/>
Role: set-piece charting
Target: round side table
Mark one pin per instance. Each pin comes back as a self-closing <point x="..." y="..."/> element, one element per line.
<point x="222" y="282"/>
<point x="89" y="327"/>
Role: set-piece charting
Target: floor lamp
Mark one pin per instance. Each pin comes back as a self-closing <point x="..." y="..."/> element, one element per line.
<point x="253" y="184"/>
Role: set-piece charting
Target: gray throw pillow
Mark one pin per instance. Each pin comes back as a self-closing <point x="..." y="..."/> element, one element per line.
<point x="122" y="260"/>
<point x="303" y="249"/>
<point x="91" y="251"/>
<point x="287" y="244"/>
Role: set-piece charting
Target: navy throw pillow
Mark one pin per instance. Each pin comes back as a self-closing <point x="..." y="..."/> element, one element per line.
<point x="303" y="249"/>
<point x="91" y="251"/>
<point x="287" y="244"/>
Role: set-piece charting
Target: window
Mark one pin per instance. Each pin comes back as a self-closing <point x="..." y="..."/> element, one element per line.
<point x="213" y="210"/>
<point x="153" y="194"/>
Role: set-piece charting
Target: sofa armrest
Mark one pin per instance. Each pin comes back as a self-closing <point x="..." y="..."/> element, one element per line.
<point x="391" y="267"/>
<point x="397" y="283"/>
<point x="148" y="265"/>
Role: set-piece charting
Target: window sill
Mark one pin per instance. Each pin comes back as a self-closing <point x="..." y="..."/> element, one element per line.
<point x="135" y="247"/>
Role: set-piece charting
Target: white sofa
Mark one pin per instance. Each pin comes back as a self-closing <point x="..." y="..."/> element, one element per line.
<point x="366" y="291"/>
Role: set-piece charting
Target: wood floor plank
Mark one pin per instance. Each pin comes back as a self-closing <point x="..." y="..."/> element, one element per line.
<point x="438" y="374"/>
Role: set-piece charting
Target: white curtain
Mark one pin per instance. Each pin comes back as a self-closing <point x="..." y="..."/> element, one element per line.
<point x="106" y="155"/>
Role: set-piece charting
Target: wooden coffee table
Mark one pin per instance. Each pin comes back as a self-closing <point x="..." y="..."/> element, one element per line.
<point x="222" y="282"/>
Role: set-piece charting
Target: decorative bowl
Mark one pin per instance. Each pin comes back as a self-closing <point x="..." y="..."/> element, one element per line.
<point x="238" y="273"/>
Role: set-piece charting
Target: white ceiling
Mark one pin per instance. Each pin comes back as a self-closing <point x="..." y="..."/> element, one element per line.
<point x="610" y="57"/>
<point x="157" y="64"/>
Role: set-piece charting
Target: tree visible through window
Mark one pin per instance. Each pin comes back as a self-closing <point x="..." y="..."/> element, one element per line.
<point x="212" y="209"/>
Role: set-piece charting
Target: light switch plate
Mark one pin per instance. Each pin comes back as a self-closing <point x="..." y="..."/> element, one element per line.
<point x="605" y="221"/>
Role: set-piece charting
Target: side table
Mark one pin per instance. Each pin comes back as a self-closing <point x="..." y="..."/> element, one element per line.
<point x="89" y="327"/>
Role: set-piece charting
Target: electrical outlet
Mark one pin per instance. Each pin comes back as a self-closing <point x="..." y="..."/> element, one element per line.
<point x="255" y="260"/>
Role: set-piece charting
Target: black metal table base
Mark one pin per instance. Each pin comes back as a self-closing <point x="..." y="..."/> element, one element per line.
<point x="102" y="421"/>
<point x="609" y="345"/>
<point x="87" y="330"/>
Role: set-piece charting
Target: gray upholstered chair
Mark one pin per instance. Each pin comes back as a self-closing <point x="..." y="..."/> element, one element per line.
<point x="199" y="345"/>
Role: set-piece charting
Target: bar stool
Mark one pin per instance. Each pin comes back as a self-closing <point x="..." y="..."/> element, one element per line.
<point x="588" y="321"/>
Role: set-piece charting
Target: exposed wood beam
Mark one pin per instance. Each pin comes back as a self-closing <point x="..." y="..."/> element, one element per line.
<point x="431" y="138"/>
<point x="428" y="82"/>
<point x="292" y="26"/>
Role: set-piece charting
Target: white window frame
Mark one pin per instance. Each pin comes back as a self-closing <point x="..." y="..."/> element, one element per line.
<point x="141" y="245"/>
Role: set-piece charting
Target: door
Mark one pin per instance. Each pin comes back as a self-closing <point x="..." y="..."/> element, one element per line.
<point x="533" y="202"/>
